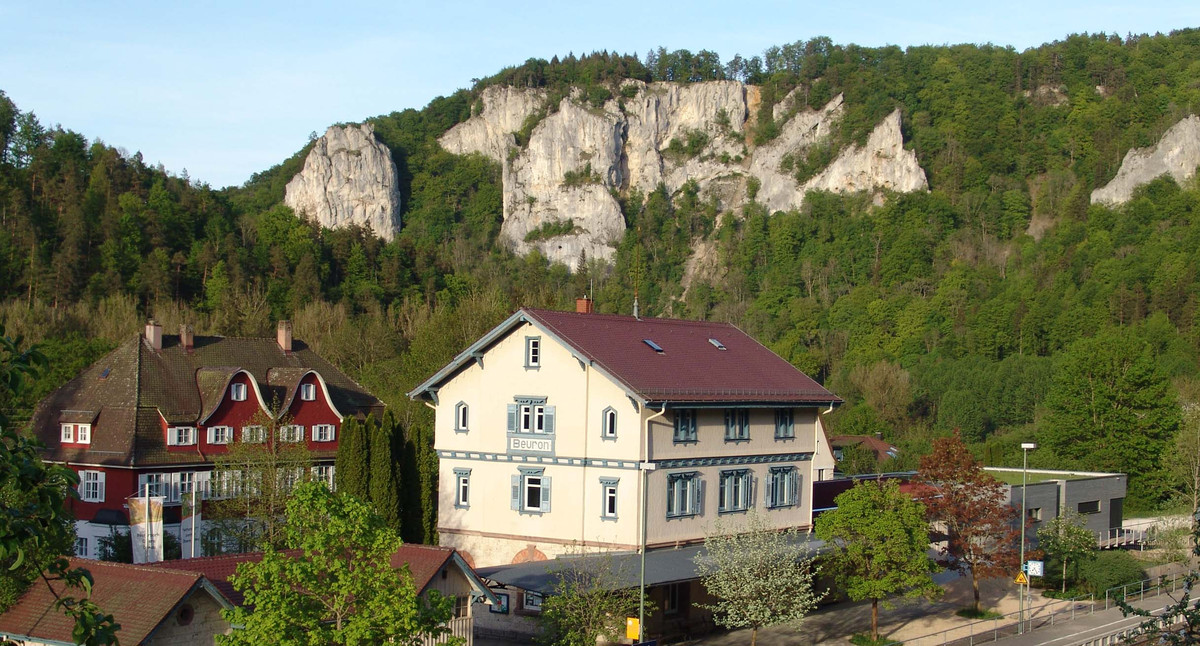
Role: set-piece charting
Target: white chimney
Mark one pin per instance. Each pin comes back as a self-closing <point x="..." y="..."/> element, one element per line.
<point x="154" y="335"/>
<point x="283" y="336"/>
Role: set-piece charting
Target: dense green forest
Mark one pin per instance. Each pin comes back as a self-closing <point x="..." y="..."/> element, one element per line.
<point x="987" y="304"/>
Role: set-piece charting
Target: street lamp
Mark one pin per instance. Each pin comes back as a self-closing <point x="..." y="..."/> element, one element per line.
<point x="1026" y="447"/>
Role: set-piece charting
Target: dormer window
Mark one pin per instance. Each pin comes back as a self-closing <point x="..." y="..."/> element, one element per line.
<point x="181" y="436"/>
<point x="68" y="432"/>
<point x="83" y="433"/>
<point x="237" y="392"/>
<point x="533" y="352"/>
<point x="308" y="392"/>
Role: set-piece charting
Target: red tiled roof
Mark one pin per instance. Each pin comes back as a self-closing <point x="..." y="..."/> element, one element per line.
<point x="424" y="561"/>
<point x="138" y="597"/>
<point x="881" y="448"/>
<point x="690" y="368"/>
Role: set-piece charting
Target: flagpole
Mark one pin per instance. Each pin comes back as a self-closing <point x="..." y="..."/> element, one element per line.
<point x="146" y="511"/>
<point x="193" y="552"/>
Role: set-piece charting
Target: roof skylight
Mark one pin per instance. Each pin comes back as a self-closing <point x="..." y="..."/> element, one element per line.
<point x="657" y="348"/>
<point x="717" y="344"/>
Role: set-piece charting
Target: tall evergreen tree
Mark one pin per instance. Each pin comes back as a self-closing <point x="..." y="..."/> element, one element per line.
<point x="384" y="487"/>
<point x="353" y="460"/>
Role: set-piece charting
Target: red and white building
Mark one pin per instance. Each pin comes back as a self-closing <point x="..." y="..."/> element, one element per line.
<point x="151" y="416"/>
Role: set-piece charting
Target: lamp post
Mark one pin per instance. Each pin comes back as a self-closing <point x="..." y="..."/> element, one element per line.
<point x="1026" y="447"/>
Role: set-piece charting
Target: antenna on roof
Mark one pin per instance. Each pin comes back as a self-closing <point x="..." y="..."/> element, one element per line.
<point x="635" y="273"/>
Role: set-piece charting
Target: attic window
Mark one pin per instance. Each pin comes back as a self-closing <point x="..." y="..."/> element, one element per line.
<point x="654" y="346"/>
<point x="104" y="375"/>
<point x="717" y="344"/>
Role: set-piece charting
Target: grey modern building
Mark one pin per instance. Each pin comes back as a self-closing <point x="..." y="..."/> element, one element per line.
<point x="1098" y="497"/>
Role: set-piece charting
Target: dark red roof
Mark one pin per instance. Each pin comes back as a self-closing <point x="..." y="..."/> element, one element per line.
<point x="691" y="367"/>
<point x="424" y="561"/>
<point x="880" y="448"/>
<point x="138" y="597"/>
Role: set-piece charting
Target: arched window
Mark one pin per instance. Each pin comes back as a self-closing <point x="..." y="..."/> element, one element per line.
<point x="608" y="424"/>
<point x="461" y="417"/>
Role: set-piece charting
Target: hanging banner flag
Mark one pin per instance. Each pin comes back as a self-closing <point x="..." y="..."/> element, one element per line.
<point x="189" y="526"/>
<point x="146" y="528"/>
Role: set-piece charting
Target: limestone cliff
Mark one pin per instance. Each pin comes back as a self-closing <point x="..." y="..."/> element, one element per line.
<point x="579" y="156"/>
<point x="1176" y="154"/>
<point x="348" y="178"/>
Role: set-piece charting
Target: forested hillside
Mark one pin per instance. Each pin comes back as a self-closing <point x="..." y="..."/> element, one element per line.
<point x="1001" y="302"/>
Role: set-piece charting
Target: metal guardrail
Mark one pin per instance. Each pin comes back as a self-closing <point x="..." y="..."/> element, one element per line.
<point x="986" y="631"/>
<point x="1146" y="588"/>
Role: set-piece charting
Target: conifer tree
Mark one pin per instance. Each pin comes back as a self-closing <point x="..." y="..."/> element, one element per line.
<point x="384" y="486"/>
<point x="352" y="465"/>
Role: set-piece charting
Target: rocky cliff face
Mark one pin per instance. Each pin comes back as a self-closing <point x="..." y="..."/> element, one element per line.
<point x="1177" y="154"/>
<point x="579" y="156"/>
<point x="348" y="178"/>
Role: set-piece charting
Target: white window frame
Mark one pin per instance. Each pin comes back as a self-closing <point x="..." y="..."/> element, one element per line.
<point x="683" y="494"/>
<point x="91" y="486"/>
<point x="533" y="352"/>
<point x="462" y="488"/>
<point x="291" y="433"/>
<point x="81" y="547"/>
<point x="462" y="416"/>
<point x="734" y="491"/>
<point x="324" y="432"/>
<point x="609" y="501"/>
<point x="152" y="484"/>
<point x="254" y="434"/>
<point x="68" y="433"/>
<point x="524" y="484"/>
<point x="783" y="487"/>
<point x="608" y="423"/>
<point x="237" y="392"/>
<point x="83" y="433"/>
<point x="308" y="392"/>
<point x="220" y="434"/>
<point x="181" y="436"/>
<point x="325" y="473"/>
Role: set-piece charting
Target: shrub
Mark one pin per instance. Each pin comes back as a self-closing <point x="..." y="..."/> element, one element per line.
<point x="1109" y="570"/>
<point x="551" y="230"/>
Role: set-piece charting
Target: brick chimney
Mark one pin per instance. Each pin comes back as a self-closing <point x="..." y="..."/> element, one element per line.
<point x="154" y="335"/>
<point x="283" y="336"/>
<point x="187" y="337"/>
<point x="584" y="305"/>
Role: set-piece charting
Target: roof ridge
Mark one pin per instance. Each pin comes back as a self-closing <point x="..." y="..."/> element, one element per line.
<point x="137" y="566"/>
<point x="626" y="317"/>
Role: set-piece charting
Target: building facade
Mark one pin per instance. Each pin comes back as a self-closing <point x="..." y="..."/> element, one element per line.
<point x="557" y="432"/>
<point x="150" y="417"/>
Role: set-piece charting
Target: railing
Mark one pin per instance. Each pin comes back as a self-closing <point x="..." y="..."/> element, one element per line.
<point x="1146" y="588"/>
<point x="462" y="627"/>
<point x="986" y="631"/>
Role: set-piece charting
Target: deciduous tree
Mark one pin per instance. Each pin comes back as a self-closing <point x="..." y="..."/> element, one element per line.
<point x="973" y="509"/>
<point x="1067" y="539"/>
<point x="880" y="539"/>
<point x="760" y="576"/>
<point x="591" y="600"/>
<point x="339" y="589"/>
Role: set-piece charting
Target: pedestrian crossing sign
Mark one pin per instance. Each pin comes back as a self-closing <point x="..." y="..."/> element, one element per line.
<point x="1021" y="580"/>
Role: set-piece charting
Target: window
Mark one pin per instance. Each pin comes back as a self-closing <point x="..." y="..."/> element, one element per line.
<point x="324" y="473"/>
<point x="1089" y="507"/>
<point x="785" y="427"/>
<point x="531" y="491"/>
<point x="683" y="495"/>
<point x="151" y="484"/>
<point x="220" y="434"/>
<point x="783" y="487"/>
<point x="83" y="433"/>
<point x="181" y="435"/>
<point x="68" y="432"/>
<point x="308" y="392"/>
<point x="237" y="392"/>
<point x="735" y="491"/>
<point x="608" y="502"/>
<point x="461" y="417"/>
<point x="685" y="425"/>
<point x="81" y="548"/>
<point x="533" y="602"/>
<point x="186" y="484"/>
<point x="530" y="415"/>
<point x="737" y="425"/>
<point x="1034" y="514"/>
<point x="533" y="352"/>
<point x="462" y="488"/>
<point x="226" y="484"/>
<point x="289" y="478"/>
<point x="254" y="434"/>
<point x="91" y="486"/>
<point x="674" y="598"/>
<point x="323" y="432"/>
<point x="291" y="433"/>
<point x="462" y="605"/>
<point x="608" y="424"/>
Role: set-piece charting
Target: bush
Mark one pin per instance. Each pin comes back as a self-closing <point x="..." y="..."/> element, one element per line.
<point x="1109" y="570"/>
<point x="551" y="230"/>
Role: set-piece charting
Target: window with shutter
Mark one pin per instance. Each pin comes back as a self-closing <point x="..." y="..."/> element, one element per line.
<point x="785" y="427"/>
<point x="683" y="495"/>
<point x="685" y="425"/>
<point x="734" y="491"/>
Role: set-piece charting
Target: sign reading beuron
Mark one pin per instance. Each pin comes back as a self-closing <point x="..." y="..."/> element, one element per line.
<point x="524" y="443"/>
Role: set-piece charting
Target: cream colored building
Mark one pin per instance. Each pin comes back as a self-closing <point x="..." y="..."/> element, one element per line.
<point x="548" y="428"/>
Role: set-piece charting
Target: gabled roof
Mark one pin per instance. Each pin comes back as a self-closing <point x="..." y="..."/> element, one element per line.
<point x="127" y="390"/>
<point x="880" y="448"/>
<point x="139" y="597"/>
<point x="661" y="361"/>
<point x="424" y="562"/>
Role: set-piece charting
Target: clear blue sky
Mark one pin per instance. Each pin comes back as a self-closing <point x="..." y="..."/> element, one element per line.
<point x="226" y="89"/>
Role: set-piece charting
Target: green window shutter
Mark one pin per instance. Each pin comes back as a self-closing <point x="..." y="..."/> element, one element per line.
<point x="770" y="497"/>
<point x="794" y="476"/>
<point x="516" y="493"/>
<point x="549" y="419"/>
<point x="698" y="498"/>
<point x="512" y="418"/>
<point x="691" y="425"/>
<point x="545" y="493"/>
<point x="729" y="422"/>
